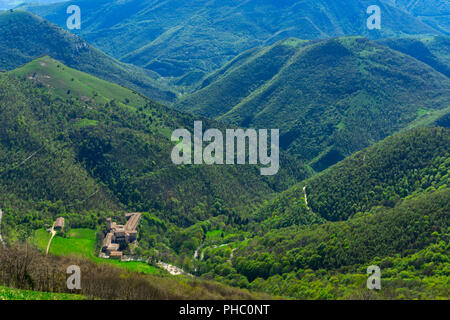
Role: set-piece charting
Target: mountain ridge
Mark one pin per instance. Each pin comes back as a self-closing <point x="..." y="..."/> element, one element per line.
<point x="116" y="144"/>
<point x="319" y="91"/>
<point x="186" y="41"/>
<point x="24" y="37"/>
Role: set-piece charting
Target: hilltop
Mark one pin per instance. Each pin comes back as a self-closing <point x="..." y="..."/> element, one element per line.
<point x="72" y="142"/>
<point x="25" y="37"/>
<point x="384" y="174"/>
<point x="328" y="98"/>
<point x="434" y="51"/>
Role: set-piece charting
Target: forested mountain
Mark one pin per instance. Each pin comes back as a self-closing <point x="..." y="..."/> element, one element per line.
<point x="381" y="175"/>
<point x="328" y="98"/>
<point x="434" y="51"/>
<point x="394" y="200"/>
<point x="186" y="40"/>
<point x="435" y="13"/>
<point x="364" y="119"/>
<point x="73" y="142"/>
<point x="24" y="37"/>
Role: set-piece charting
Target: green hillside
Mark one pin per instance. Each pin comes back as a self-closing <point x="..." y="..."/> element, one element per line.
<point x="410" y="243"/>
<point x="24" y="37"/>
<point x="435" y="13"/>
<point x="9" y="4"/>
<point x="394" y="200"/>
<point x="187" y="40"/>
<point x="82" y="243"/>
<point x="71" y="142"/>
<point x="328" y="98"/>
<point x="434" y="51"/>
<point x="382" y="175"/>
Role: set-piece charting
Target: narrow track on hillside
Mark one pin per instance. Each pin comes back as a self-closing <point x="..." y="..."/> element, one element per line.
<point x="231" y="256"/>
<point x="306" y="199"/>
<point x="197" y="252"/>
<point x="53" y="232"/>
<point x="308" y="207"/>
<point x="1" y="238"/>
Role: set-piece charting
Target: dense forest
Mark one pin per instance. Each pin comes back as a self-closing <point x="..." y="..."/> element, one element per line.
<point x="185" y="41"/>
<point x="329" y="98"/>
<point x="79" y="144"/>
<point x="364" y="120"/>
<point x="63" y="154"/>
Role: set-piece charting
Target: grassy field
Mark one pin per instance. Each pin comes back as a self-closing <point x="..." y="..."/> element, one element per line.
<point x="80" y="242"/>
<point x="15" y="294"/>
<point x="70" y="83"/>
<point x="214" y="234"/>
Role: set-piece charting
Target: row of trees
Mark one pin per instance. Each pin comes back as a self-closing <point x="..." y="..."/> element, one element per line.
<point x="23" y="267"/>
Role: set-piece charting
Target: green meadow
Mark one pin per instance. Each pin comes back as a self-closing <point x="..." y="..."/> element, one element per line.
<point x="64" y="79"/>
<point x="214" y="234"/>
<point x="81" y="243"/>
<point x="15" y="294"/>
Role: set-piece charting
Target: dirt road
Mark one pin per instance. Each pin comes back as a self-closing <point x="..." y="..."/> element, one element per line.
<point x="306" y="198"/>
<point x="175" y="271"/>
<point x="53" y="232"/>
<point x="1" y="239"/>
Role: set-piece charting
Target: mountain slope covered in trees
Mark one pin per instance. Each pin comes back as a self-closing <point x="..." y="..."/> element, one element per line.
<point x="435" y="13"/>
<point x="328" y="98"/>
<point x="185" y="40"/>
<point x="382" y="175"/>
<point x="24" y="37"/>
<point x="393" y="200"/>
<point x="371" y="116"/>
<point x="9" y="4"/>
<point x="434" y="51"/>
<point x="73" y="142"/>
<point x="410" y="243"/>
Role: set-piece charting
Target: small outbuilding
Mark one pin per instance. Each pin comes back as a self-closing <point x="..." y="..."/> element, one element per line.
<point x="115" y="255"/>
<point x="59" y="224"/>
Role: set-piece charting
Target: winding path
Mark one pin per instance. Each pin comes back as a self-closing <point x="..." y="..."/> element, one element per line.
<point x="51" y="238"/>
<point x="175" y="271"/>
<point x="306" y="198"/>
<point x="1" y="239"/>
<point x="197" y="252"/>
<point x="232" y="255"/>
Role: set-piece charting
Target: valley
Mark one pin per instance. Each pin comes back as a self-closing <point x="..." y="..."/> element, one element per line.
<point x="328" y="98"/>
<point x="184" y="42"/>
<point x="95" y="133"/>
<point x="18" y="48"/>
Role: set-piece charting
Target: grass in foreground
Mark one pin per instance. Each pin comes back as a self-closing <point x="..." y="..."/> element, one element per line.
<point x="15" y="294"/>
